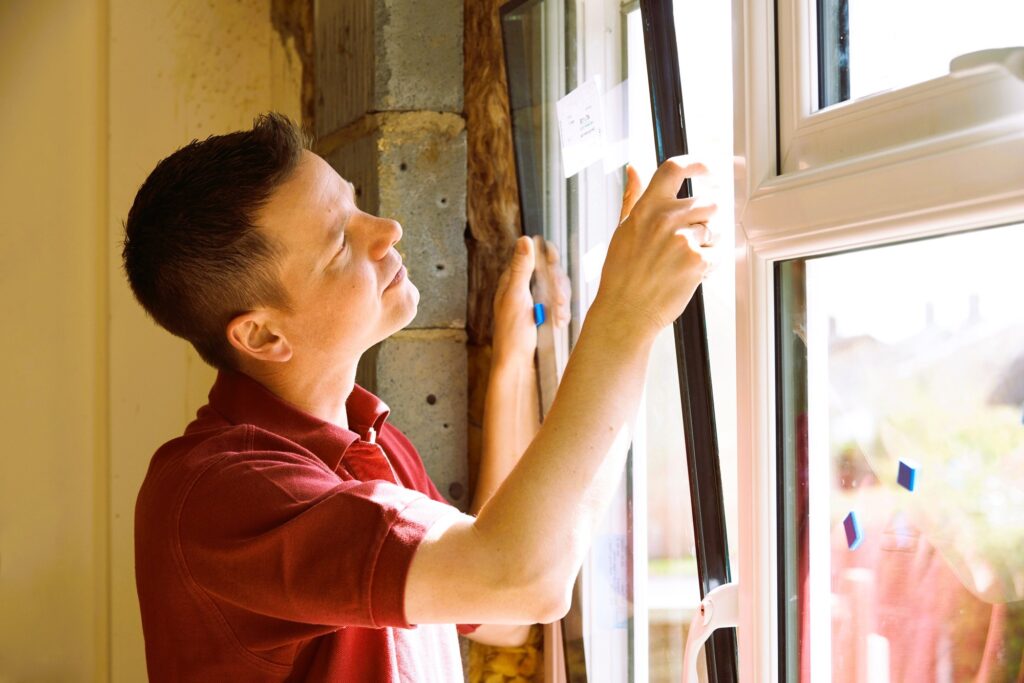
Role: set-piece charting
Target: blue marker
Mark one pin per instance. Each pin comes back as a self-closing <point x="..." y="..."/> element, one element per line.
<point x="852" y="528"/>
<point x="907" y="475"/>
<point x="538" y="314"/>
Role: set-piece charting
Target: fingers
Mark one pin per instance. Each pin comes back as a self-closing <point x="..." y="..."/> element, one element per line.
<point x="705" y="236"/>
<point x="548" y="249"/>
<point x="631" y="194"/>
<point x="679" y="214"/>
<point x="560" y="297"/>
<point x="552" y="253"/>
<point x="700" y="236"/>
<point x="551" y="286"/>
<point x="689" y="212"/>
<point x="521" y="267"/>
<point x="702" y="240"/>
<point x="544" y="248"/>
<point x="671" y="174"/>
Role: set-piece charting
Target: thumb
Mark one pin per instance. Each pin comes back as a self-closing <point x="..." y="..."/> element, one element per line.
<point x="631" y="194"/>
<point x="521" y="268"/>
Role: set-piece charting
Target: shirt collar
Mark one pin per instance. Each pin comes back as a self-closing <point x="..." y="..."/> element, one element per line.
<point x="243" y="400"/>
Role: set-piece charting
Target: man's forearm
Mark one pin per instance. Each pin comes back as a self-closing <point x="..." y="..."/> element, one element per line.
<point x="547" y="508"/>
<point x="511" y="420"/>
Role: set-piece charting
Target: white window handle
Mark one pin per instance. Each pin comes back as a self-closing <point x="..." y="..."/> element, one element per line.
<point x="719" y="609"/>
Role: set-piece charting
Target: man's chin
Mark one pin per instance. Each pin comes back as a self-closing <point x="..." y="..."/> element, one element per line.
<point x="409" y="311"/>
<point x="414" y="296"/>
<point x="412" y="314"/>
<point x="403" y="317"/>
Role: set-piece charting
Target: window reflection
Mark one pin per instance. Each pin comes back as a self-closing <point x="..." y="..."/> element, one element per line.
<point x="914" y="353"/>
<point x="870" y="46"/>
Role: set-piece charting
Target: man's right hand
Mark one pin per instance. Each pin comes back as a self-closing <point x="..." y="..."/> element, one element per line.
<point x="660" y="252"/>
<point x="547" y="509"/>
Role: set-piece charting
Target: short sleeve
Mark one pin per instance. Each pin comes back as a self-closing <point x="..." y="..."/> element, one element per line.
<point x="280" y="535"/>
<point x="408" y="462"/>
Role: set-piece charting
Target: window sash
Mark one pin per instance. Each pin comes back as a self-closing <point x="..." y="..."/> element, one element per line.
<point x="691" y="340"/>
<point x="914" y="186"/>
<point x="985" y="96"/>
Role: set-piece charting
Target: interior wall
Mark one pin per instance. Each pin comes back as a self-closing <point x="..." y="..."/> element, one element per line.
<point x="95" y="92"/>
<point x="52" y="492"/>
<point x="179" y="69"/>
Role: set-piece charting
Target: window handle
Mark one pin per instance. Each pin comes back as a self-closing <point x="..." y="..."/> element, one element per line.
<point x="1009" y="58"/>
<point x="719" y="609"/>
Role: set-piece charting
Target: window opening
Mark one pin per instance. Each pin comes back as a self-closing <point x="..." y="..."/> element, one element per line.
<point x="833" y="52"/>
<point x="871" y="46"/>
<point x="693" y="360"/>
<point x="639" y="587"/>
<point x="533" y="34"/>
<point x="901" y="461"/>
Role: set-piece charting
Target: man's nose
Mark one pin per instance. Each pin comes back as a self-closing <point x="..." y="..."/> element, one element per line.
<point x="386" y="232"/>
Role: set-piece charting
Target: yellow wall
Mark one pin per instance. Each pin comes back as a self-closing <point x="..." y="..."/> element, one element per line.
<point x="52" y="207"/>
<point x="94" y="93"/>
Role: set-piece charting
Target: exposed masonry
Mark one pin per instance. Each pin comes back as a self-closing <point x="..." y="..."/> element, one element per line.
<point x="388" y="117"/>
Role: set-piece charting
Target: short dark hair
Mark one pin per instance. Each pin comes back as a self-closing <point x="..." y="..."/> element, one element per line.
<point x="193" y="254"/>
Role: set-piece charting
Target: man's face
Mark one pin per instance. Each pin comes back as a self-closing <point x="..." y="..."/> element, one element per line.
<point x="345" y="281"/>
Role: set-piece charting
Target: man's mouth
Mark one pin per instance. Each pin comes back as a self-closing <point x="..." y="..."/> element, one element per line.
<point x="399" y="276"/>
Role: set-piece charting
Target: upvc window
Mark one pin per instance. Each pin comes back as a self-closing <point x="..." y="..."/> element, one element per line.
<point x="853" y="191"/>
<point x="653" y="566"/>
<point x="639" y="587"/>
<point x="872" y="77"/>
<point x="883" y="213"/>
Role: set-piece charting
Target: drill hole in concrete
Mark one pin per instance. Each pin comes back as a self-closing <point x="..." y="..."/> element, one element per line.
<point x="455" y="490"/>
<point x="440" y="266"/>
<point x="403" y="166"/>
<point x="431" y="399"/>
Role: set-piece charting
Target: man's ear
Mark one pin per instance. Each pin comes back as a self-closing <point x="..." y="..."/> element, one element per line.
<point x="254" y="335"/>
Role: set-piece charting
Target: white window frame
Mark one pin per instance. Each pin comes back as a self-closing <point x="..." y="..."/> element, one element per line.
<point x="890" y="122"/>
<point x="966" y="173"/>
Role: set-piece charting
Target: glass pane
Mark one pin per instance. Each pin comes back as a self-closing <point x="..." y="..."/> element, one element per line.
<point x="631" y="619"/>
<point x="902" y="471"/>
<point x="672" y="595"/>
<point x="531" y="36"/>
<point x="870" y="46"/>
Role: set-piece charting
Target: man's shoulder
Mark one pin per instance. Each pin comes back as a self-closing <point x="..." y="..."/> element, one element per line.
<point x="204" y="441"/>
<point x="206" y="450"/>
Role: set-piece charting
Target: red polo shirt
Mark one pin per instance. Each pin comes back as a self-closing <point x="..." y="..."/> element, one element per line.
<point x="271" y="546"/>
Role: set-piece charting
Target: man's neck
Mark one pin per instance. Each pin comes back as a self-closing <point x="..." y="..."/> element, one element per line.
<point x="319" y="392"/>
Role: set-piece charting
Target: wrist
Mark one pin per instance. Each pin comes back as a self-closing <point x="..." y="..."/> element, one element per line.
<point x="511" y="365"/>
<point x="621" y="326"/>
<point x="506" y="359"/>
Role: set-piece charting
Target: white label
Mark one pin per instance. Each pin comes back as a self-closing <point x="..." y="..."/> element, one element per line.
<point x="616" y="118"/>
<point x="581" y="127"/>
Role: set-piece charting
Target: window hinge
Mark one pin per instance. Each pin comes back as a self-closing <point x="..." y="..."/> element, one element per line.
<point x="1009" y="58"/>
<point x="719" y="609"/>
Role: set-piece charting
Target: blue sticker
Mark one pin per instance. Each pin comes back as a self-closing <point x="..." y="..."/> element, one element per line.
<point x="907" y="475"/>
<point x="538" y="314"/>
<point x="852" y="528"/>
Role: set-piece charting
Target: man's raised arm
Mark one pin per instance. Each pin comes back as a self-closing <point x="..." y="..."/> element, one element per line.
<point x="517" y="560"/>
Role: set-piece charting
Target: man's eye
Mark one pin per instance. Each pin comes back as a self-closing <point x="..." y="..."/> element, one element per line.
<point x="344" y="241"/>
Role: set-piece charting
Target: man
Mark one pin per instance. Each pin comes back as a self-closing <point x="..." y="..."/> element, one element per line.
<point x="291" y="533"/>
